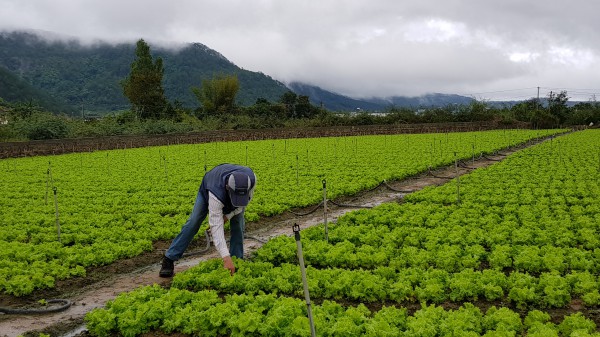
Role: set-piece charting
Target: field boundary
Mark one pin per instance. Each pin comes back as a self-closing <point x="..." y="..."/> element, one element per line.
<point x="71" y="145"/>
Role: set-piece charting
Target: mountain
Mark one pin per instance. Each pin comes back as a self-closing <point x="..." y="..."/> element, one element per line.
<point x="63" y="75"/>
<point x="89" y="76"/>
<point x="336" y="102"/>
<point x="424" y="101"/>
<point x="15" y="89"/>
<point x="332" y="101"/>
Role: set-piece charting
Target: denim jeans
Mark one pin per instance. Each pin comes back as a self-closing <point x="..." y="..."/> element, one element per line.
<point x="191" y="227"/>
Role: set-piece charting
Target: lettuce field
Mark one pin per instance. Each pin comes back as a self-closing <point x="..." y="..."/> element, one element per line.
<point x="508" y="250"/>
<point x="522" y="243"/>
<point x="61" y="215"/>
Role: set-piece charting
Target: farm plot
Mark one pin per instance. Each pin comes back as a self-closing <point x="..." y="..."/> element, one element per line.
<point x="522" y="239"/>
<point x="113" y="204"/>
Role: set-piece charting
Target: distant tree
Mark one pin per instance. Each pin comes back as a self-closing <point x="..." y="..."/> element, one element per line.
<point x="557" y="105"/>
<point x="25" y="110"/>
<point x="289" y="99"/>
<point x="217" y="95"/>
<point x="480" y="111"/>
<point x="585" y="113"/>
<point x="265" y="113"/>
<point x="44" y="125"/>
<point x="143" y="86"/>
<point x="524" y="111"/>
<point x="438" y="114"/>
<point x="402" y="115"/>
<point x="261" y="101"/>
<point x="303" y="108"/>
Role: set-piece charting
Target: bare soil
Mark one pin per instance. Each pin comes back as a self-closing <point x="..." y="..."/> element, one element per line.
<point x="105" y="283"/>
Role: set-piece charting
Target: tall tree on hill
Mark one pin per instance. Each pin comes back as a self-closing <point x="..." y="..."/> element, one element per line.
<point x="143" y="86"/>
<point x="217" y="95"/>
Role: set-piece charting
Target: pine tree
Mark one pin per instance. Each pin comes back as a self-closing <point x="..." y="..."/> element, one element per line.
<point x="143" y="86"/>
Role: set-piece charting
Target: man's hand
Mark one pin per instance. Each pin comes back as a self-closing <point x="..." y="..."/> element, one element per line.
<point x="228" y="264"/>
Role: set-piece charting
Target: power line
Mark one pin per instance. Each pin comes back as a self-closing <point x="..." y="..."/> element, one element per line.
<point x="577" y="93"/>
<point x="499" y="91"/>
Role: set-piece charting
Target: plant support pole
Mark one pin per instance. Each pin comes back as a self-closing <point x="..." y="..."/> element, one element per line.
<point x="56" y="213"/>
<point x="48" y="180"/>
<point x="166" y="170"/>
<point x="47" y="184"/>
<point x="457" y="180"/>
<point x="296" y="230"/>
<point x="325" y="209"/>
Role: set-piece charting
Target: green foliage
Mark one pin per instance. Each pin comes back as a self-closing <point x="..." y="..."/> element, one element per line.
<point x="79" y="75"/>
<point x="584" y="113"/>
<point x="576" y="323"/>
<point x="557" y="105"/>
<point x="502" y="319"/>
<point x="298" y="106"/>
<point x="16" y="90"/>
<point x="143" y="86"/>
<point x="113" y="204"/>
<point x="217" y="95"/>
<point x="393" y="254"/>
<point x="43" y="126"/>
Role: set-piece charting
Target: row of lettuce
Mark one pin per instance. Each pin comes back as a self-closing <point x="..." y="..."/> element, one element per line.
<point x="497" y="245"/>
<point x="115" y="204"/>
<point x="205" y="313"/>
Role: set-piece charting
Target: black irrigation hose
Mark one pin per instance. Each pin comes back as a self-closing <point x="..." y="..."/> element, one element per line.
<point x="488" y="158"/>
<point x="374" y="188"/>
<point x="346" y="205"/>
<point x="197" y="252"/>
<point x="433" y="175"/>
<point x="383" y="183"/>
<point x="394" y="189"/>
<point x="201" y="251"/>
<point x="463" y="165"/>
<point x="310" y="212"/>
<point x="449" y="178"/>
<point x="64" y="306"/>
<point x="255" y="238"/>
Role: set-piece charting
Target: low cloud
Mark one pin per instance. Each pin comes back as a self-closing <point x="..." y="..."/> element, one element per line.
<point x="356" y="47"/>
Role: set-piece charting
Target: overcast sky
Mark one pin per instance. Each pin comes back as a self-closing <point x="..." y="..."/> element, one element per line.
<point x="487" y="49"/>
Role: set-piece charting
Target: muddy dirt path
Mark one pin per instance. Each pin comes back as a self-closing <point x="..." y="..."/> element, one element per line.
<point x="105" y="283"/>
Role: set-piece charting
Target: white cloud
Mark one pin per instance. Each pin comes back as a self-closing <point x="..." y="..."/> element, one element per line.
<point x="523" y="57"/>
<point x="356" y="47"/>
<point x="571" y="57"/>
<point x="436" y="30"/>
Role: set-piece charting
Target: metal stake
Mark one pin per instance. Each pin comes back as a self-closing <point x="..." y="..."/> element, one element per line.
<point x="47" y="183"/>
<point x="166" y="170"/>
<point x="56" y="213"/>
<point x="325" y="209"/>
<point x="49" y="180"/>
<point x="457" y="180"/>
<point x="296" y="230"/>
<point x="297" y="178"/>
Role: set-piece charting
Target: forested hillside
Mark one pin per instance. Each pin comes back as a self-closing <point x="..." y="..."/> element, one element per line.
<point x="90" y="76"/>
<point x="14" y="89"/>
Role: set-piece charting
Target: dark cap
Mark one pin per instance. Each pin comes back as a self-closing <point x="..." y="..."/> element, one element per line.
<point x="239" y="189"/>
